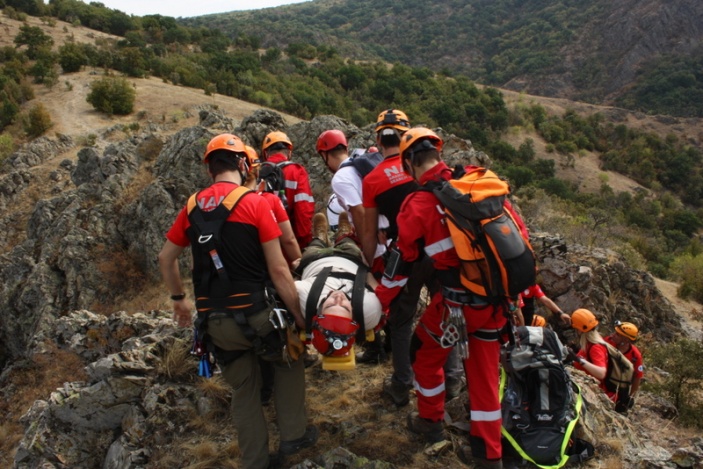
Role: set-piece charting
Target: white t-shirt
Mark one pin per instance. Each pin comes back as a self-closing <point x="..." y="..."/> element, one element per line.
<point x="333" y="210"/>
<point x="372" y="306"/>
<point x="346" y="185"/>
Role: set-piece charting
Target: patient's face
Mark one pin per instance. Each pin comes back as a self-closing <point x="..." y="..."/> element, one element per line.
<point x="336" y="304"/>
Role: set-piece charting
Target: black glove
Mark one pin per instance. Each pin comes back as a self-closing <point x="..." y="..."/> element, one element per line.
<point x="570" y="357"/>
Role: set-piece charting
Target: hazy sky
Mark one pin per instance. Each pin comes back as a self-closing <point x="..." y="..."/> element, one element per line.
<point x="185" y="8"/>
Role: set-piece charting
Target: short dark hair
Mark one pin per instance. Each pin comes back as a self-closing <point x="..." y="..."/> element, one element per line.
<point x="224" y="160"/>
<point x="389" y="139"/>
<point x="422" y="156"/>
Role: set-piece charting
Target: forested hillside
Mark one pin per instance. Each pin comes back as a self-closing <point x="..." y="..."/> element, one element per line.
<point x="642" y="54"/>
<point x="657" y="226"/>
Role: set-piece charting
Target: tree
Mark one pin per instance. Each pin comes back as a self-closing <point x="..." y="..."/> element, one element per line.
<point x="72" y="57"/>
<point x="38" y="121"/>
<point x="112" y="96"/>
<point x="34" y="38"/>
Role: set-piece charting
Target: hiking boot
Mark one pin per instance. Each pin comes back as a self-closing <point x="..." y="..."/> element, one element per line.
<point x="373" y="353"/>
<point x="320" y="228"/>
<point x="453" y="387"/>
<point x="309" y="359"/>
<point x="371" y="357"/>
<point x="289" y="448"/>
<point x="467" y="458"/>
<point x="398" y="392"/>
<point x="344" y="228"/>
<point x="432" y="432"/>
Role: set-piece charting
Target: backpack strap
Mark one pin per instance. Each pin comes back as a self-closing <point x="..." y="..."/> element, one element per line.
<point x="314" y="296"/>
<point x="357" y="301"/>
<point x="209" y="229"/>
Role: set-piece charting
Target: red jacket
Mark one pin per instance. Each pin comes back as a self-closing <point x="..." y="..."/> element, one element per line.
<point x="422" y="225"/>
<point x="300" y="201"/>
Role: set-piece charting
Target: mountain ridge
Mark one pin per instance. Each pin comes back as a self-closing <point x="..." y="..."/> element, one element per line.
<point x="591" y="51"/>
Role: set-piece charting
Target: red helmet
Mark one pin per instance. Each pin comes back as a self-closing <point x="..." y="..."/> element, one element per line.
<point x="331" y="139"/>
<point x="229" y="142"/>
<point x="333" y="335"/>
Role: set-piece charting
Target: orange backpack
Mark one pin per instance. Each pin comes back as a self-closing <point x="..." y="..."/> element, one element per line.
<point x="497" y="261"/>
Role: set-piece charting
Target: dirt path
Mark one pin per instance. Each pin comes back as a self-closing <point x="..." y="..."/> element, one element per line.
<point x="691" y="312"/>
<point x="156" y="101"/>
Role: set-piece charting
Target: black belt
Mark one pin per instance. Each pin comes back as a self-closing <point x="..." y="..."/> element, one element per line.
<point x="463" y="297"/>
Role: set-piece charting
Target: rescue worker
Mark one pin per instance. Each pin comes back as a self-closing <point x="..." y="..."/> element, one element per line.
<point x="230" y="264"/>
<point x="347" y="189"/>
<point x="346" y="181"/>
<point x="423" y="233"/>
<point x="277" y="148"/>
<point x="289" y="244"/>
<point x="335" y="268"/>
<point x="383" y="191"/>
<point x="624" y="339"/>
<point x="592" y="356"/>
<point x="528" y="305"/>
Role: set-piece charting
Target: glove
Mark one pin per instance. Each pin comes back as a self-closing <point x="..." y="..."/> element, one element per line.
<point x="570" y="357"/>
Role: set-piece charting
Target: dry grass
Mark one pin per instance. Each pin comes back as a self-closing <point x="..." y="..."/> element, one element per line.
<point x="136" y="186"/>
<point x="36" y="379"/>
<point x="177" y="363"/>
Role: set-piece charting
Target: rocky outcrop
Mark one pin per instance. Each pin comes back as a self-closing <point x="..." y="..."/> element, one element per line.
<point x="598" y="279"/>
<point x="142" y="395"/>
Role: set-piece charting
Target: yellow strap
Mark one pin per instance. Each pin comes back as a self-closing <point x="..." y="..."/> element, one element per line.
<point x="229" y="201"/>
<point x="567" y="434"/>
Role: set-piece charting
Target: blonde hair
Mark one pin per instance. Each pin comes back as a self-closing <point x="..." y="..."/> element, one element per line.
<point x="592" y="337"/>
<point x="252" y="177"/>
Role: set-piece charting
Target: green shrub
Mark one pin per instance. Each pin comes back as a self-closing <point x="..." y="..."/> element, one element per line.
<point x="112" y="96"/>
<point x="72" y="57"/>
<point x="688" y="270"/>
<point x="681" y="360"/>
<point x="7" y="146"/>
<point x="38" y="121"/>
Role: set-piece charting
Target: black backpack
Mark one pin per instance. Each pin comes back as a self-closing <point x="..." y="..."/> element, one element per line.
<point x="539" y="402"/>
<point x="363" y="161"/>
<point x="272" y="174"/>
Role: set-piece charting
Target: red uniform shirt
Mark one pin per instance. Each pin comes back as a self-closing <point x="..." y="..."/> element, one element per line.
<point x="300" y="200"/>
<point x="385" y="189"/>
<point x="249" y="210"/>
<point x="279" y="211"/>
<point x="598" y="355"/>
<point x="533" y="292"/>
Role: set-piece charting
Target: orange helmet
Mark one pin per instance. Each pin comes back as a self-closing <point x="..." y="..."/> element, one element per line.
<point x="538" y="321"/>
<point x="627" y="330"/>
<point x="276" y="137"/>
<point x="583" y="320"/>
<point x="331" y="139"/>
<point x="419" y="138"/>
<point x="229" y="142"/>
<point x="333" y="335"/>
<point x="252" y="157"/>
<point x="392" y="119"/>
